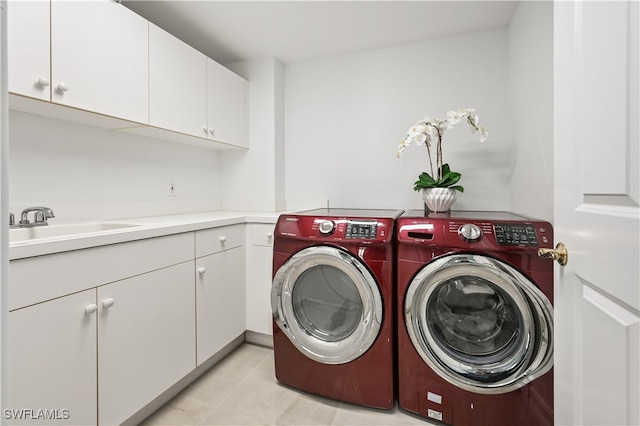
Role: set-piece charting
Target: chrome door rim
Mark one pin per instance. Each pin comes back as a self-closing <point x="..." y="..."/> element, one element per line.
<point x="532" y="359"/>
<point x="327" y="352"/>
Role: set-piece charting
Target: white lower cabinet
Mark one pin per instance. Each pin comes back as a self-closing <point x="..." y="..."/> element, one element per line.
<point x="146" y="339"/>
<point x="51" y="358"/>
<point x="220" y="289"/>
<point x="259" y="271"/>
<point x="95" y="335"/>
<point x="102" y="354"/>
<point x="220" y="296"/>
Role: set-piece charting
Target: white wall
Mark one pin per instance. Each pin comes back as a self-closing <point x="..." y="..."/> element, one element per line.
<point x="88" y="173"/>
<point x="346" y="115"/>
<point x="531" y="112"/>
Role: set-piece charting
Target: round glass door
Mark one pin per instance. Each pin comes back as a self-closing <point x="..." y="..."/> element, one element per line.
<point x="479" y="323"/>
<point x="327" y="303"/>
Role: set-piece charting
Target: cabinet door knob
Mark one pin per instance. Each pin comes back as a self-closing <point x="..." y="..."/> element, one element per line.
<point x="61" y="88"/>
<point x="205" y="129"/>
<point x="42" y="82"/>
<point x="269" y="235"/>
<point x="223" y="239"/>
<point x="202" y="270"/>
<point x="90" y="309"/>
<point x="212" y="131"/>
<point x="107" y="303"/>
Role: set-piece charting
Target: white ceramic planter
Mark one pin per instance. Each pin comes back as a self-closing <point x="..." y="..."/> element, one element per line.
<point x="439" y="199"/>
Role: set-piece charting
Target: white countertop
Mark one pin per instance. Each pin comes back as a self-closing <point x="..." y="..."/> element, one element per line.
<point x="146" y="227"/>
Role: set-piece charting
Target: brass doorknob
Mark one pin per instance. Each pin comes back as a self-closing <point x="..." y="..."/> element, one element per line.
<point x="559" y="254"/>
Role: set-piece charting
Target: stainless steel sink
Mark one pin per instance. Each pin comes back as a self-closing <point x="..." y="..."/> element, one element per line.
<point x="27" y="234"/>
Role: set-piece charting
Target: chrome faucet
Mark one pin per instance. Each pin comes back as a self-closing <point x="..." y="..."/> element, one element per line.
<point x="12" y="219"/>
<point x="41" y="214"/>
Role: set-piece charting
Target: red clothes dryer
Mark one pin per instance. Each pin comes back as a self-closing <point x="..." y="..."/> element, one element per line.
<point x="475" y="318"/>
<point x="333" y="302"/>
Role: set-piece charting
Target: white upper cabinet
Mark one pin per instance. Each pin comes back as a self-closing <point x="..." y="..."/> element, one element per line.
<point x="177" y="85"/>
<point x="98" y="63"/>
<point x="99" y="58"/>
<point x="192" y="94"/>
<point x="90" y="55"/>
<point x="226" y="105"/>
<point x="28" y="49"/>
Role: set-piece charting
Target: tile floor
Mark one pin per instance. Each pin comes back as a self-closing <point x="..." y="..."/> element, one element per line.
<point x="242" y="390"/>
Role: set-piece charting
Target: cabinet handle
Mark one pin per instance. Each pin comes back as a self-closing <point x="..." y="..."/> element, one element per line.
<point x="269" y="235"/>
<point x="212" y="131"/>
<point x="90" y="309"/>
<point x="202" y="270"/>
<point x="223" y="239"/>
<point x="61" y="88"/>
<point x="205" y="129"/>
<point x="107" y="303"/>
<point x="42" y="82"/>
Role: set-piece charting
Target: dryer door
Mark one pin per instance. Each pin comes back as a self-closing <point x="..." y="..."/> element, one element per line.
<point x="327" y="303"/>
<point x="479" y="323"/>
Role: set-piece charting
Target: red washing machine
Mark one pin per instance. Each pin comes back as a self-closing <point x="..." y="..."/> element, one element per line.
<point x="475" y="318"/>
<point x="333" y="301"/>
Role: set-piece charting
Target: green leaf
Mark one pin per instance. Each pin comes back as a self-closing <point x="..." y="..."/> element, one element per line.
<point x="458" y="188"/>
<point x="424" y="181"/>
<point x="449" y="179"/>
<point x="427" y="179"/>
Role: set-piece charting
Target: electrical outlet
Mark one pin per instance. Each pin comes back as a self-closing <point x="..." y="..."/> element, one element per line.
<point x="172" y="189"/>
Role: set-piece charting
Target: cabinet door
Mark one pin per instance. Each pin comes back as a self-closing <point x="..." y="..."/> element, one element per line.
<point x="99" y="58"/>
<point x="177" y="84"/>
<point x="226" y="105"/>
<point x="260" y="257"/>
<point x="220" y="295"/>
<point x="28" y="48"/>
<point x="51" y="362"/>
<point x="146" y="339"/>
<point x="259" y="315"/>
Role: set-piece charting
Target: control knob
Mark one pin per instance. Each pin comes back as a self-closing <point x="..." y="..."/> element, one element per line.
<point x="326" y="227"/>
<point x="470" y="232"/>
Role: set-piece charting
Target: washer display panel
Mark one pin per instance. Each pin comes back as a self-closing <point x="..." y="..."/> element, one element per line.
<point x="479" y="323"/>
<point x="328" y="304"/>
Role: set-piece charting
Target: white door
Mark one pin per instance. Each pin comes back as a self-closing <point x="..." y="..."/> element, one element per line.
<point x="29" y="58"/>
<point x="146" y="339"/>
<point x="220" y="301"/>
<point x="596" y="131"/>
<point x="99" y="58"/>
<point x="226" y="109"/>
<point x="177" y="84"/>
<point x="51" y="352"/>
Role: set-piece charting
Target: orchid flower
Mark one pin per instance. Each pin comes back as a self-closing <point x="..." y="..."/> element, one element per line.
<point x="424" y="131"/>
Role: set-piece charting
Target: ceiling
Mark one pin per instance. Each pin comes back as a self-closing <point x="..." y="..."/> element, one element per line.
<point x="295" y="31"/>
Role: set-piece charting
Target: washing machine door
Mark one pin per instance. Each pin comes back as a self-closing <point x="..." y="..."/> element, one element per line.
<point x="327" y="303"/>
<point x="479" y="323"/>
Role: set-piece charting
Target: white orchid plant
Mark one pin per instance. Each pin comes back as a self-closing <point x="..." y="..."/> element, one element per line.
<point x="425" y="131"/>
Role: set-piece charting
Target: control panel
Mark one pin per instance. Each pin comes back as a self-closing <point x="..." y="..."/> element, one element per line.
<point x="363" y="230"/>
<point x="510" y="234"/>
<point x="334" y="228"/>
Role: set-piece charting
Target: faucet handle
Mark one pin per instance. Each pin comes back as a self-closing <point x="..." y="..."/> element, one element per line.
<point x="41" y="214"/>
<point x="12" y="219"/>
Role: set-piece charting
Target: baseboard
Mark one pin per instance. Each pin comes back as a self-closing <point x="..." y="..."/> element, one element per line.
<point x="261" y="339"/>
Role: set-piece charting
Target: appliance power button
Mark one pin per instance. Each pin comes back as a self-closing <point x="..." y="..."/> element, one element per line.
<point x="326" y="227"/>
<point x="470" y="232"/>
